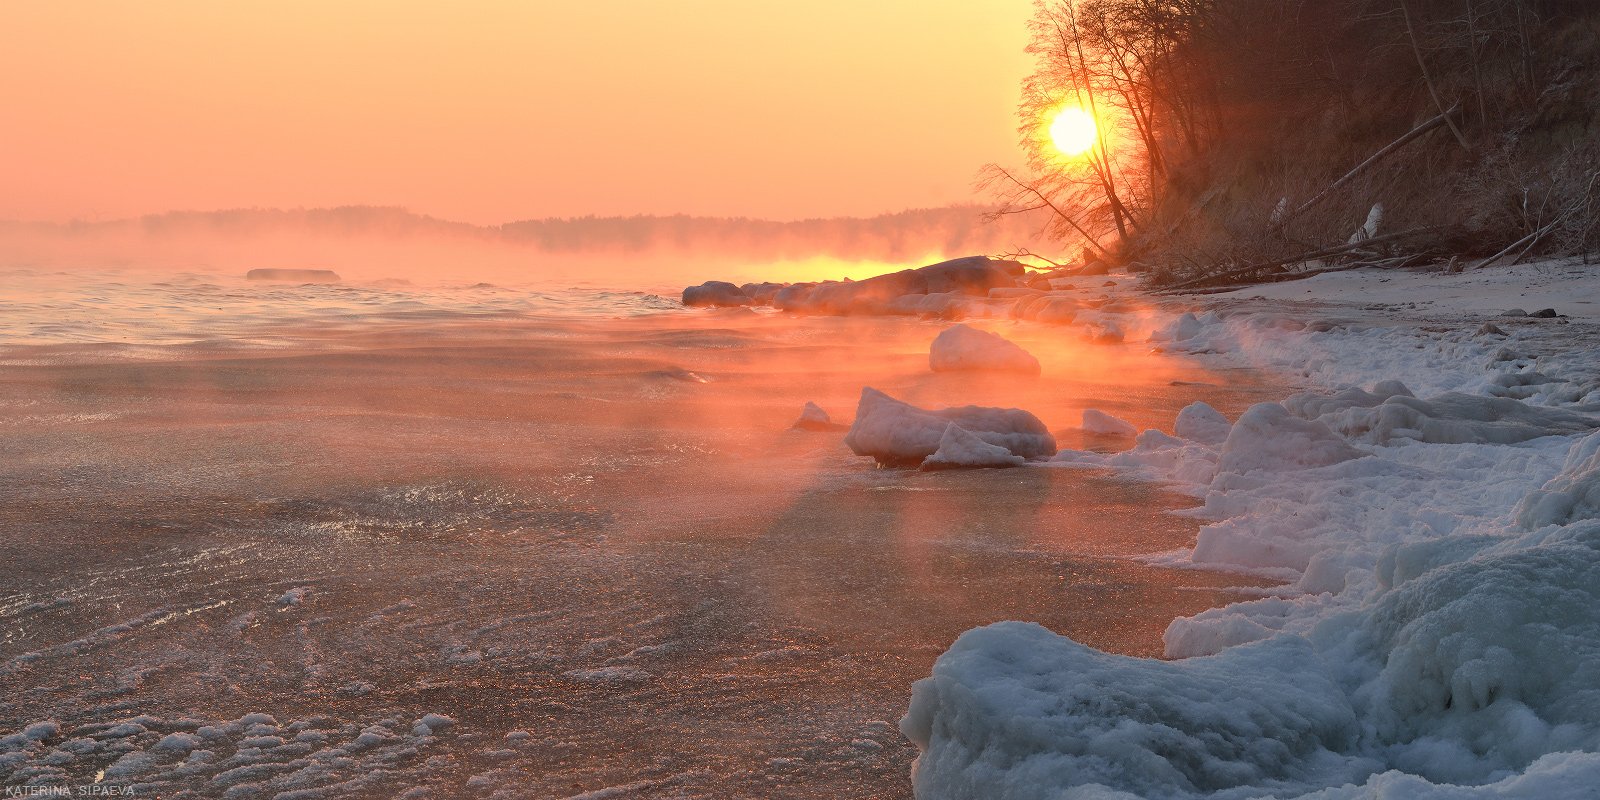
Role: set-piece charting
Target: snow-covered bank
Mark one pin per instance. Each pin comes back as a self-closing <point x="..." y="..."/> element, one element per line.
<point x="1430" y="505"/>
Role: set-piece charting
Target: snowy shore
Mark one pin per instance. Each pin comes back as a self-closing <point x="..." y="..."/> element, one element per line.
<point x="1430" y="505"/>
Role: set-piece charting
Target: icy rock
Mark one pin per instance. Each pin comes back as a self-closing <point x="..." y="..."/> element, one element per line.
<point x="178" y="743"/>
<point x="961" y="347"/>
<point x="1267" y="437"/>
<point x="761" y="294"/>
<point x="1108" y="333"/>
<point x="436" y="721"/>
<point x="1201" y="423"/>
<point x="1572" y="495"/>
<point x="1096" y="421"/>
<point x="296" y="275"/>
<point x="959" y="449"/>
<point x="1455" y="418"/>
<point x="1055" y="310"/>
<point x="900" y="434"/>
<point x="969" y="276"/>
<point x="813" y="418"/>
<point x="715" y="294"/>
<point x="1545" y="313"/>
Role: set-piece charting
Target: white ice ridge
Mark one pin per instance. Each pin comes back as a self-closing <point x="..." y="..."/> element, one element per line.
<point x="900" y="434"/>
<point x="1438" y="630"/>
<point x="964" y="348"/>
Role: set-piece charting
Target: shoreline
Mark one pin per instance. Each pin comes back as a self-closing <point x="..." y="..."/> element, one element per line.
<point x="1372" y="507"/>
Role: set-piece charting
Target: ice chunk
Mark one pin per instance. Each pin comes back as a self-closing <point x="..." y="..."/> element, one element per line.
<point x="1201" y="423"/>
<point x="1572" y="495"/>
<point x="1267" y="437"/>
<point x="897" y="433"/>
<point x="960" y="449"/>
<point x="1096" y="421"/>
<point x="813" y="418"/>
<point x="961" y="347"/>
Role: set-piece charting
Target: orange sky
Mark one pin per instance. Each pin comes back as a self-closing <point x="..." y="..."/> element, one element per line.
<point x="497" y="110"/>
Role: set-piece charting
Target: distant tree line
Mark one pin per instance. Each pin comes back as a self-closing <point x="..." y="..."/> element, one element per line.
<point x="904" y="236"/>
<point x="1240" y="135"/>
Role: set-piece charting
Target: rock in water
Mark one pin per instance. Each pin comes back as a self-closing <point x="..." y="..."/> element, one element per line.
<point x="959" y="449"/>
<point x="813" y="418"/>
<point x="900" y="434"/>
<point x="715" y="294"/>
<point x="964" y="348"/>
<point x="297" y="275"/>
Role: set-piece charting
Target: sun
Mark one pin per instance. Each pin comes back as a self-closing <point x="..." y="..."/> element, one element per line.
<point x="1072" y="130"/>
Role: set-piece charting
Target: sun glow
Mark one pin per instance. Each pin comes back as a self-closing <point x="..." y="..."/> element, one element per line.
<point x="1073" y="131"/>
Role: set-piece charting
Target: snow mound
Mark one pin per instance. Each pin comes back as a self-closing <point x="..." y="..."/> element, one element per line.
<point x="1096" y="421"/>
<point x="1201" y="423"/>
<point x="959" y="449"/>
<point x="960" y="347"/>
<point x="1311" y="405"/>
<point x="1573" y="494"/>
<point x="1455" y="418"/>
<point x="1185" y="327"/>
<point x="1426" y="684"/>
<point x="813" y="418"/>
<point x="900" y="434"/>
<point x="1267" y="437"/>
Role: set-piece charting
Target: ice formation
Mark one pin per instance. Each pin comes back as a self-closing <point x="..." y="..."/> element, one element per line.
<point x="1437" y="633"/>
<point x="1573" y="494"/>
<point x="900" y="434"/>
<point x="1201" y="423"/>
<point x="1096" y="421"/>
<point x="813" y="418"/>
<point x="960" y="347"/>
<point x="960" y="449"/>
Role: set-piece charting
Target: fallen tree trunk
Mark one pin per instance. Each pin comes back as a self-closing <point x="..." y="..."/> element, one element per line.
<point x="1247" y="271"/>
<point x="1387" y="151"/>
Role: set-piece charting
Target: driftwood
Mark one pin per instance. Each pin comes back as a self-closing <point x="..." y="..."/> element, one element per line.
<point x="1527" y="242"/>
<point x="1387" y="151"/>
<point x="1253" y="269"/>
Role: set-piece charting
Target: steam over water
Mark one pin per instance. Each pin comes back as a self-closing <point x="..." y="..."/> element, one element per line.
<point x="278" y="525"/>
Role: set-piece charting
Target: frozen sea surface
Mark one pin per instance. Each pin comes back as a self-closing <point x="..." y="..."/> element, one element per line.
<point x="330" y="541"/>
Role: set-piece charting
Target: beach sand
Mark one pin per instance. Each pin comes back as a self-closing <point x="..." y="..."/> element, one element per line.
<point x="598" y="531"/>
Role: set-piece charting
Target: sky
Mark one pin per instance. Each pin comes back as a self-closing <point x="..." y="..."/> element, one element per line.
<point x="494" y="110"/>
